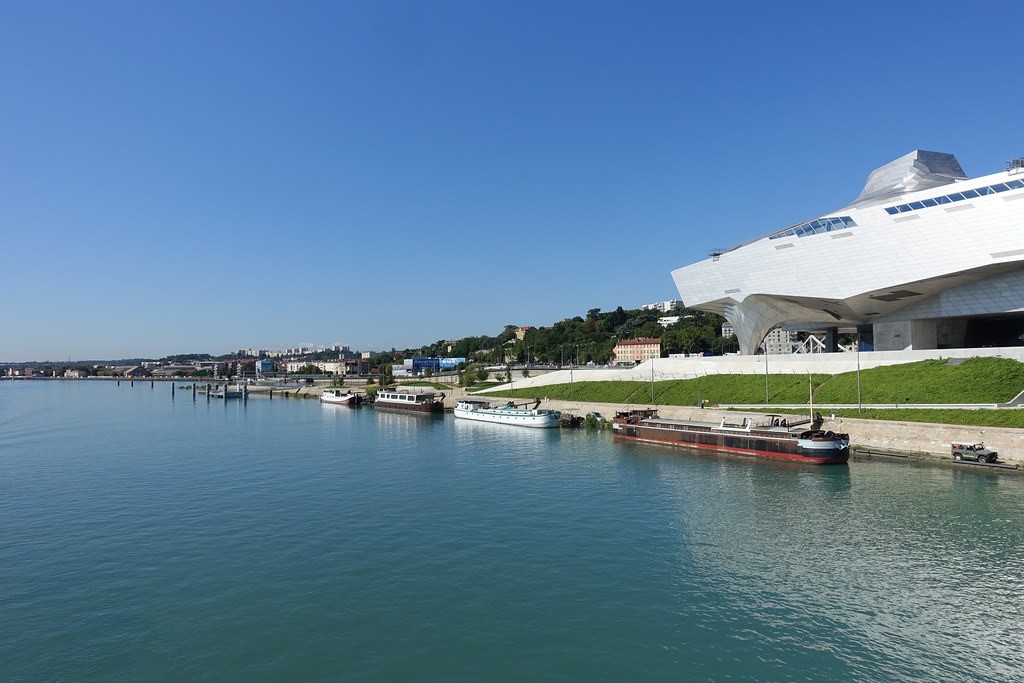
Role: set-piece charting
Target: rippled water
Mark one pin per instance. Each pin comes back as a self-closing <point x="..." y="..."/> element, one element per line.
<point x="148" y="539"/>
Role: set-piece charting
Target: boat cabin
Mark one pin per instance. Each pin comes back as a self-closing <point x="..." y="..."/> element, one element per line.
<point x="406" y="397"/>
<point x="474" y="404"/>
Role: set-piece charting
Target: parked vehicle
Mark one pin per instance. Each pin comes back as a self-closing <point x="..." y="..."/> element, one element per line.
<point x="973" y="451"/>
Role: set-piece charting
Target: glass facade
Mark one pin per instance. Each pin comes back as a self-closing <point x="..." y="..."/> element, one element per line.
<point x="815" y="227"/>
<point x="955" y="197"/>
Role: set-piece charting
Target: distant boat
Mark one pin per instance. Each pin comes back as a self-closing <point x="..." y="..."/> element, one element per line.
<point x="408" y="401"/>
<point x="510" y="414"/>
<point x="337" y="397"/>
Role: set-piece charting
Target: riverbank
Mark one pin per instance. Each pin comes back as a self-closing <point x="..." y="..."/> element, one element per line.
<point x="931" y="441"/>
<point x="925" y="440"/>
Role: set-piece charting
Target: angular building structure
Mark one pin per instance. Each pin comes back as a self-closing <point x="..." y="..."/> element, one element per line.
<point x="924" y="258"/>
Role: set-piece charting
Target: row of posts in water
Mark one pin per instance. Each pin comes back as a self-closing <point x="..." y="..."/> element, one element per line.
<point x="224" y="393"/>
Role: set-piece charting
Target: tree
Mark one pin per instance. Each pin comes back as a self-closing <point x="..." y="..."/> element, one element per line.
<point x="482" y="374"/>
<point x="387" y="375"/>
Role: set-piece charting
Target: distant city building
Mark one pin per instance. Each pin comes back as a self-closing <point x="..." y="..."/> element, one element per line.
<point x="331" y="367"/>
<point x="780" y="341"/>
<point x="669" y="320"/>
<point x="421" y="364"/>
<point x="637" y="350"/>
<point x="728" y="330"/>
<point x="521" y="332"/>
<point x="130" y="370"/>
<point x="357" y="366"/>
<point x="174" y="370"/>
<point x="663" y="306"/>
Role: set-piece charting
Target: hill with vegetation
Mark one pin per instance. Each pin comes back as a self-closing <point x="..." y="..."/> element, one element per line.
<point x="587" y="339"/>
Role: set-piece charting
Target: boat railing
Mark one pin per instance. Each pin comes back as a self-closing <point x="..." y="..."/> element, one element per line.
<point x="736" y="426"/>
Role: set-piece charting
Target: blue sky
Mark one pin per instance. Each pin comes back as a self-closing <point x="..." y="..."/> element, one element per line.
<point x="208" y="176"/>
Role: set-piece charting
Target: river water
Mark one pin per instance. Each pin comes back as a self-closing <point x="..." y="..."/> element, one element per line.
<point x="156" y="539"/>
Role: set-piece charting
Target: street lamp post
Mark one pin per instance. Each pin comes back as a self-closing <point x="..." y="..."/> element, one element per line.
<point x="652" y="380"/>
<point x="858" y="372"/>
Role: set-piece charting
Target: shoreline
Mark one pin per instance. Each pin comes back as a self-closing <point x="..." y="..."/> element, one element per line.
<point x="917" y="441"/>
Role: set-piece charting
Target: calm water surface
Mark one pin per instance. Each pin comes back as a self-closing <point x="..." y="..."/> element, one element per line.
<point x="155" y="540"/>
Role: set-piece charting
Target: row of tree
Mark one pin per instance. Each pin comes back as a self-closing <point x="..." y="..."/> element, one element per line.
<point x="581" y="340"/>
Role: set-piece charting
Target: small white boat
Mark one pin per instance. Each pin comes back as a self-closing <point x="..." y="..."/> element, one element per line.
<point x="337" y="397"/>
<point x="478" y="409"/>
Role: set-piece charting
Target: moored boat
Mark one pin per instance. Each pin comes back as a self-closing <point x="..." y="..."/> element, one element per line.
<point x="774" y="437"/>
<point x="520" y="416"/>
<point x="338" y="397"/>
<point x="409" y="401"/>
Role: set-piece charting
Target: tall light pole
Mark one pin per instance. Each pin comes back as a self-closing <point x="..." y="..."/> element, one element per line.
<point x="858" y="372"/>
<point x="764" y="343"/>
<point x="652" y="380"/>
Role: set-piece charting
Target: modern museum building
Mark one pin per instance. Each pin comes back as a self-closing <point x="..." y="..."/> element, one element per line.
<point x="924" y="258"/>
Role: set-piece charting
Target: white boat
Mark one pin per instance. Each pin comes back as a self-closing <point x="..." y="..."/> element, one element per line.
<point x="337" y="397"/>
<point x="478" y="409"/>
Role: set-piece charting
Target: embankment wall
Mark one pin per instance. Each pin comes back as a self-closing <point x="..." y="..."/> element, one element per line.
<point x="903" y="437"/>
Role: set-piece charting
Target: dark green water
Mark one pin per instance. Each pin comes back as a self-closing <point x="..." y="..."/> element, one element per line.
<point x="150" y="540"/>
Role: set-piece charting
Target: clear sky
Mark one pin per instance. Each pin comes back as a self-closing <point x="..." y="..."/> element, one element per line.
<point x="208" y="176"/>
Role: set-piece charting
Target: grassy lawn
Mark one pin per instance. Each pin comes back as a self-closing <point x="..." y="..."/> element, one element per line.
<point x="432" y="385"/>
<point x="977" y="380"/>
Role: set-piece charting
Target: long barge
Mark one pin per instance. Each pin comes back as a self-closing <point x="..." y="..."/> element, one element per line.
<point x="774" y="437"/>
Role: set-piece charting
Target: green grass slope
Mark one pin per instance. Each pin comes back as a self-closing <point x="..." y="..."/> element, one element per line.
<point x="976" y="380"/>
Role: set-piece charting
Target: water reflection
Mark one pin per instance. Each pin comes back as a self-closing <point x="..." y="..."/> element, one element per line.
<point x="501" y="437"/>
<point x="407" y="427"/>
<point x="916" y="569"/>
